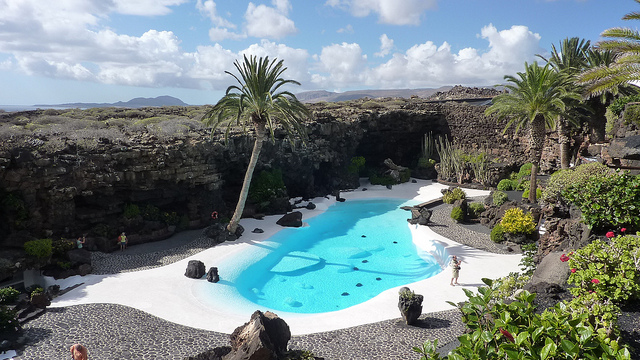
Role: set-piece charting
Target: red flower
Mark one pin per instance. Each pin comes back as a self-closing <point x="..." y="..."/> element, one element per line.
<point x="623" y="229"/>
<point x="573" y="271"/>
<point x="564" y="258"/>
<point x="595" y="281"/>
<point x="507" y="334"/>
<point x="610" y="234"/>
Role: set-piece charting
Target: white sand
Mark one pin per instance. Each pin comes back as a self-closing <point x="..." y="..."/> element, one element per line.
<point x="165" y="291"/>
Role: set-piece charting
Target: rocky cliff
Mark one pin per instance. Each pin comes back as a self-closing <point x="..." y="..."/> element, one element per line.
<point x="67" y="172"/>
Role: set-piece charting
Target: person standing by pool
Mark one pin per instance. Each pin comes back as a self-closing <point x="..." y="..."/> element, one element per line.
<point x="122" y="240"/>
<point x="455" y="270"/>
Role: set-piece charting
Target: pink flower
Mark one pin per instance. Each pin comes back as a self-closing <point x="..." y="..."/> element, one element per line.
<point x="610" y="234"/>
<point x="595" y="281"/>
<point x="564" y="258"/>
<point x="573" y="271"/>
<point x="623" y="229"/>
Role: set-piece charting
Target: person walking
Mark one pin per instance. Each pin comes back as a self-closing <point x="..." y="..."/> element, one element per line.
<point x="455" y="270"/>
<point x="122" y="240"/>
<point x="78" y="352"/>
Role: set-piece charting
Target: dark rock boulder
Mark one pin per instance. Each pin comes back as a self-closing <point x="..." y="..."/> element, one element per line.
<point x="195" y="269"/>
<point x="79" y="256"/>
<point x="292" y="219"/>
<point x="310" y="206"/>
<point x="212" y="354"/>
<point x="410" y="305"/>
<point x="420" y="216"/>
<point x="84" y="269"/>
<point x="257" y="231"/>
<point x="264" y="337"/>
<point x="212" y="275"/>
<point x="551" y="271"/>
<point x="40" y="301"/>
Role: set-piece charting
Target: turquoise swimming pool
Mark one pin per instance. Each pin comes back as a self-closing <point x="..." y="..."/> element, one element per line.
<point x="347" y="255"/>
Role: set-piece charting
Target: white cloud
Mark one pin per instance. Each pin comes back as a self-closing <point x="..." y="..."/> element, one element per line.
<point x="395" y="12"/>
<point x="269" y="22"/>
<point x="145" y="7"/>
<point x="344" y="65"/>
<point x="295" y="60"/>
<point x="217" y="34"/>
<point x="386" y="45"/>
<point x="346" y="30"/>
<point x="209" y="9"/>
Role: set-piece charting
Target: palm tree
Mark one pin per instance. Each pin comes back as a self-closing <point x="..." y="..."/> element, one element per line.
<point x="535" y="99"/>
<point x="257" y="101"/>
<point x="625" y="68"/>
<point x="570" y="60"/>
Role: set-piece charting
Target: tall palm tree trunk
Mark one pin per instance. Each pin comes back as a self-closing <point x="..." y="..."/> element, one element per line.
<point x="564" y="141"/>
<point x="537" y="137"/>
<point x="261" y="133"/>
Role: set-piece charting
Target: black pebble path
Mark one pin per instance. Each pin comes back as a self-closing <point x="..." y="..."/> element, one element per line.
<point x="118" y="332"/>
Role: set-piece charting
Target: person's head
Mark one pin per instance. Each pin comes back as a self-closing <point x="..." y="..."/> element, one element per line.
<point x="78" y="347"/>
<point x="122" y="233"/>
<point x="454" y="257"/>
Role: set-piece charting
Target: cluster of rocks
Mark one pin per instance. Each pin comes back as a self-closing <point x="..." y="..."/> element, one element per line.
<point x="196" y="270"/>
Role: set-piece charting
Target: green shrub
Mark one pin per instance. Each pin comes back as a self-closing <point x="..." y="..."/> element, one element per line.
<point x="522" y="185"/>
<point x="513" y="330"/>
<point x="426" y="162"/>
<point x="457" y="214"/>
<point x="525" y="171"/>
<point x="131" y="211"/>
<point x="611" y="121"/>
<point x="64" y="265"/>
<point x="499" y="198"/>
<point x="356" y="165"/>
<point x="8" y="320"/>
<point x="475" y="209"/>
<point x="383" y="180"/>
<point x="507" y="185"/>
<point x="452" y="195"/>
<point x="600" y="313"/>
<point x="151" y="213"/>
<point x="525" y="194"/>
<point x="631" y="114"/>
<point x="608" y="201"/>
<point x="39" y="248"/>
<point x="267" y="186"/>
<point x="370" y="104"/>
<point x="515" y="221"/>
<point x="8" y="295"/>
<point x="37" y="291"/>
<point x="170" y="218"/>
<point x="561" y="180"/>
<point x="505" y="287"/>
<point x="497" y="234"/>
<point x="607" y="268"/>
<point x="527" y="262"/>
<point x="618" y="105"/>
<point x="60" y="247"/>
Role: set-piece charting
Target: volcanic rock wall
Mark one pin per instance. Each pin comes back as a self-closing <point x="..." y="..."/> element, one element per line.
<point x="75" y="190"/>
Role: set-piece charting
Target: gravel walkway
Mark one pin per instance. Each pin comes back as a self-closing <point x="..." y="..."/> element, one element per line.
<point x="118" y="332"/>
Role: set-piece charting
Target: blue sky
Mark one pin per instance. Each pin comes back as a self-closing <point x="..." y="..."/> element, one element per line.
<point x="113" y="50"/>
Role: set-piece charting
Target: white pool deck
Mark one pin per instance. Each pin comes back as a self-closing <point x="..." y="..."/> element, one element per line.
<point x="165" y="291"/>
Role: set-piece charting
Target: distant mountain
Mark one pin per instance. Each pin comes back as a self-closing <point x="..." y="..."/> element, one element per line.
<point x="322" y="95"/>
<point x="133" y="103"/>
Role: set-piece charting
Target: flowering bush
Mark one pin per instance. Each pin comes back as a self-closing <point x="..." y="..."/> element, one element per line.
<point x="610" y="268"/>
<point x="8" y="320"/>
<point x="499" y="330"/>
<point x="8" y="295"/>
<point x="515" y="221"/>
